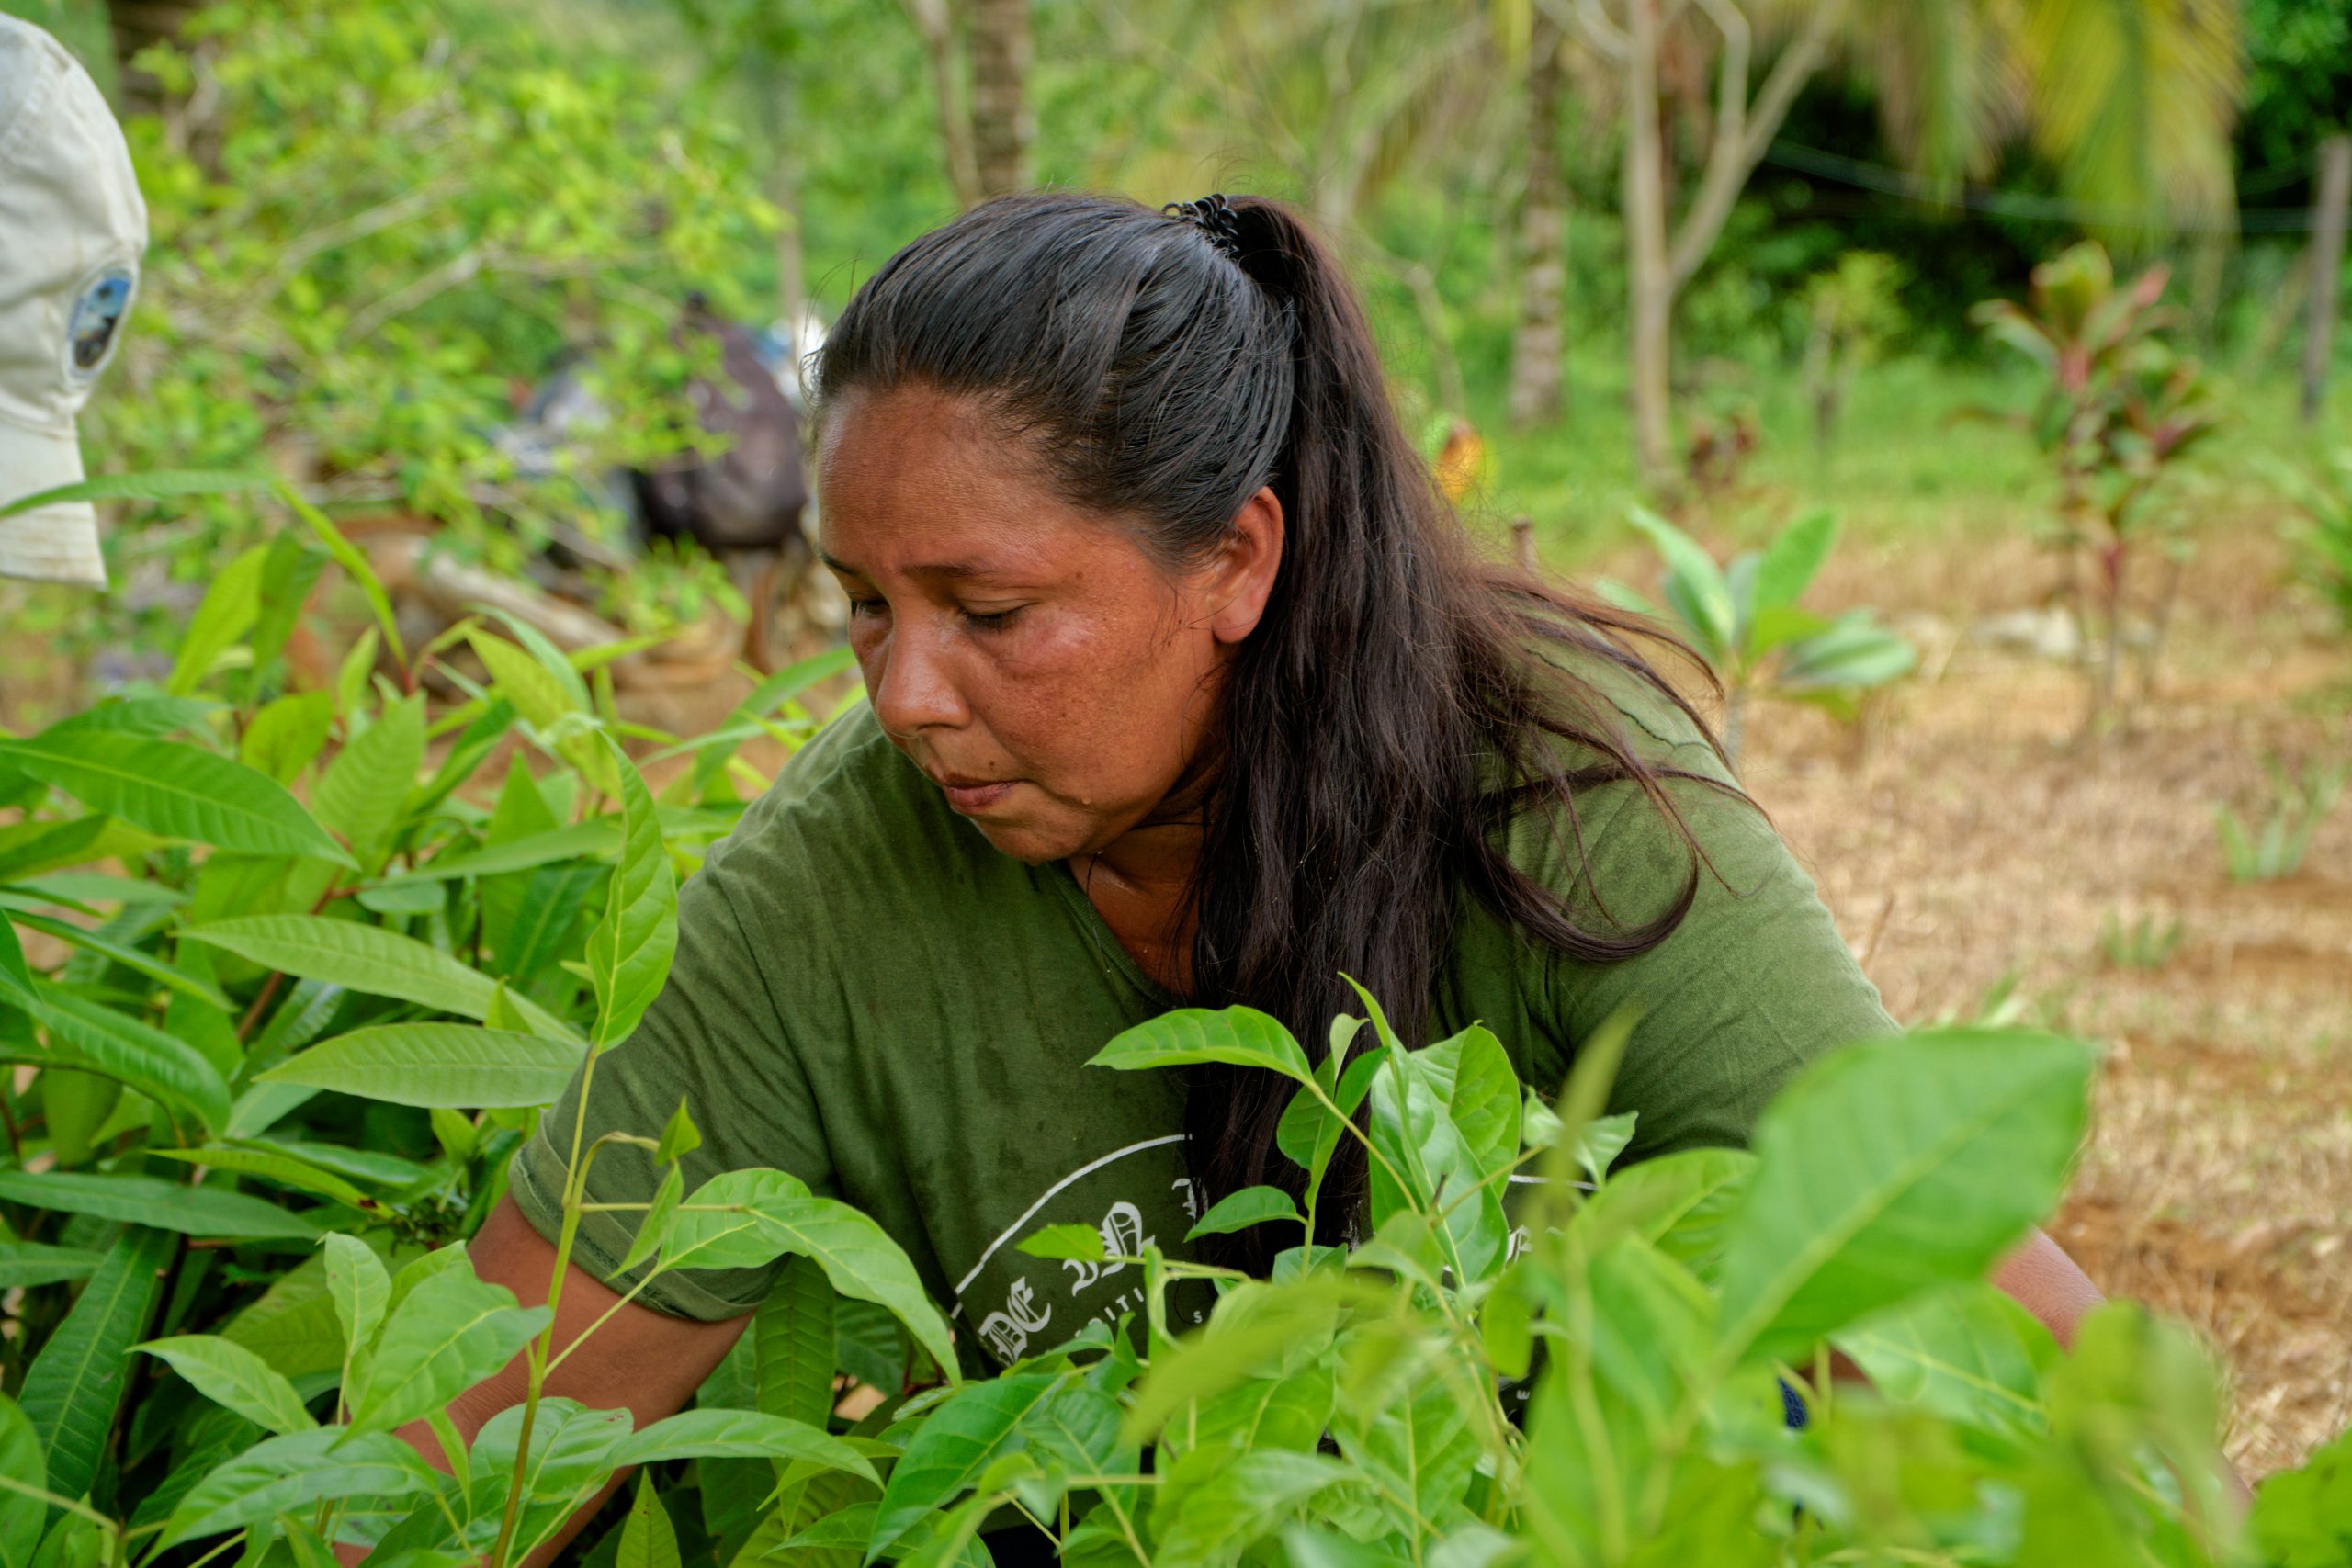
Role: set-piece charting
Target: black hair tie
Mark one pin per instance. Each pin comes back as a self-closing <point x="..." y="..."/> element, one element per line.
<point x="1215" y="217"/>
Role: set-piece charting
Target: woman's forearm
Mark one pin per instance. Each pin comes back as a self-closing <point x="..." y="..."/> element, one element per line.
<point x="2040" y="1278"/>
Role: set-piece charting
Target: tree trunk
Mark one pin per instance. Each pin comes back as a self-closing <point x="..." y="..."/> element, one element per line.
<point x="1538" y="365"/>
<point x="1001" y="128"/>
<point x="1649" y="279"/>
<point x="2328" y="204"/>
<point x="937" y="29"/>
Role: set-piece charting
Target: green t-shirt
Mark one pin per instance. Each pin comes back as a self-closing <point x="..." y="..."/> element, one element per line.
<point x="869" y="995"/>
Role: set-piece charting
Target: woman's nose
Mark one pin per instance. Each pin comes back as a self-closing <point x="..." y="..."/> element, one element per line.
<point x="917" y="690"/>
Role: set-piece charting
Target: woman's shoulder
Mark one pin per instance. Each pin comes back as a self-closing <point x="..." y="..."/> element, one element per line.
<point x="1636" y="698"/>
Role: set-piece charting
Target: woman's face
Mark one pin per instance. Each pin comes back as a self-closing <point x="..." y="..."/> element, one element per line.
<point x="1049" y="677"/>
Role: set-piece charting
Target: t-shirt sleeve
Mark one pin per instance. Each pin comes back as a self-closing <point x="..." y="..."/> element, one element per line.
<point x="712" y="1037"/>
<point x="1755" y="982"/>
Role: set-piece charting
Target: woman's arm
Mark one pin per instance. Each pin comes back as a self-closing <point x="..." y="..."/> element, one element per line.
<point x="2040" y="1278"/>
<point x="643" y="1361"/>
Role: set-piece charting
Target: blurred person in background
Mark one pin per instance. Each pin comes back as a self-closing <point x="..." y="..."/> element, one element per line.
<point x="73" y="229"/>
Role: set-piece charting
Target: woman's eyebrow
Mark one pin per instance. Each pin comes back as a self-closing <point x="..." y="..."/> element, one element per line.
<point x="953" y="571"/>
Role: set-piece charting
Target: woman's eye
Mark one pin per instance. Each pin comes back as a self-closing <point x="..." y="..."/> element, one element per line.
<point x="866" y="606"/>
<point x="990" y="620"/>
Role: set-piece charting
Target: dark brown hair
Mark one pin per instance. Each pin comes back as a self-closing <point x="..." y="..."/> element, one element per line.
<point x="1162" y="377"/>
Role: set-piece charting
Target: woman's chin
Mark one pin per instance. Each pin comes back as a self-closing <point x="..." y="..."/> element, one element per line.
<point x="1033" y="843"/>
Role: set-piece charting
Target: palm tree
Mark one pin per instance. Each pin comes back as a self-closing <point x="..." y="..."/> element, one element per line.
<point x="2131" y="101"/>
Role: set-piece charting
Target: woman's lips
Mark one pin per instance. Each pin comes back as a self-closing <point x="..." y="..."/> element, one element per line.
<point x="972" y="798"/>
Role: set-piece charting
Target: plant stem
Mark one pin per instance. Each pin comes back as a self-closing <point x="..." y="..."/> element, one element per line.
<point x="575" y="1188"/>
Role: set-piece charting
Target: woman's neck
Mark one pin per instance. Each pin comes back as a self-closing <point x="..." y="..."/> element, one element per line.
<point x="1141" y="883"/>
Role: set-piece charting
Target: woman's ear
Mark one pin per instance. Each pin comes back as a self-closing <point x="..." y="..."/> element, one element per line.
<point x="1246" y="566"/>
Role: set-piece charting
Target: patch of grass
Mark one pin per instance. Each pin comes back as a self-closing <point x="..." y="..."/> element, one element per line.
<point x="2297" y="809"/>
<point x="2142" y="944"/>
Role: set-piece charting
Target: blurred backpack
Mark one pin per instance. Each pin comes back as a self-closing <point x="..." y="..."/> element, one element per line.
<point x="751" y="496"/>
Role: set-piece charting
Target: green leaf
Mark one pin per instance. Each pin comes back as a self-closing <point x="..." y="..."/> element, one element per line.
<point x="281" y="1474"/>
<point x="76" y="1384"/>
<point x="1077" y="1243"/>
<point x="629" y="951"/>
<point x="1420" y="1443"/>
<point x="272" y="1165"/>
<point x="547" y="910"/>
<point x="365" y="958"/>
<point x="745" y="1219"/>
<point x="30" y="847"/>
<point x="1307" y="1547"/>
<point x="1853" y="654"/>
<point x="1694" y="586"/>
<point x="166" y="1205"/>
<point x="361" y="792"/>
<point x="355" y="566"/>
<point x="1472" y="1078"/>
<point x="596" y="836"/>
<point x="160" y="485"/>
<point x="1250" y="1206"/>
<point x="1235" y="1037"/>
<point x="549" y="696"/>
<point x="16" y="978"/>
<point x="22" y="1462"/>
<point x="360" y="1288"/>
<point x="1611" y="1402"/>
<point x="131" y="958"/>
<point x="178" y="790"/>
<point x="234" y="1377"/>
<point x="793" y="1345"/>
<point x="31" y="1263"/>
<point x="2299" y="1519"/>
<point x="1290" y="1412"/>
<point x="647" y="1539"/>
<point x="571" y="1449"/>
<point x="680" y="1137"/>
<point x="453" y="1066"/>
<point x="100" y="1040"/>
<point x="452" y="1331"/>
<point x="951" y="1448"/>
<point x="1604" y="1138"/>
<point x="1239" y="1497"/>
<point x="1964" y="1353"/>
<point x="1679" y="1203"/>
<point x="1795" y="558"/>
<point x="227" y="613"/>
<point x="740" y="1434"/>
<point x="1421" y="1143"/>
<point x="654" y="1225"/>
<point x="287" y="735"/>
<point x="1891" y="1166"/>
<point x="153" y="717"/>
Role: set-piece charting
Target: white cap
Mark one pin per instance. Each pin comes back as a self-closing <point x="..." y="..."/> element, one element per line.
<point x="72" y="231"/>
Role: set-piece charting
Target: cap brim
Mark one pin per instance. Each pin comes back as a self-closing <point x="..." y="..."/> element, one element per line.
<point x="49" y="544"/>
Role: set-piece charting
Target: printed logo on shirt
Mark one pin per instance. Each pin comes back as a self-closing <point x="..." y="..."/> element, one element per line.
<point x="1049" y="1300"/>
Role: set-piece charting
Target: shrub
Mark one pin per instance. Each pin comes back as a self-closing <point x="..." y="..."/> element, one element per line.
<point x="342" y="1012"/>
<point x="2117" y="411"/>
<point x="1745" y="622"/>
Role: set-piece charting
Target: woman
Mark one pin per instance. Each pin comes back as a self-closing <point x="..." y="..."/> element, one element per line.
<point x="1185" y="687"/>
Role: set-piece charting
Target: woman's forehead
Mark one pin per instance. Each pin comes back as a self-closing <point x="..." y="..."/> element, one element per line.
<point x="919" y="481"/>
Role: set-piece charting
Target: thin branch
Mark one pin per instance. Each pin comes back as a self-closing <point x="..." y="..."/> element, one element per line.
<point x="454" y="273"/>
<point x="1590" y="20"/>
<point x="1731" y="160"/>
